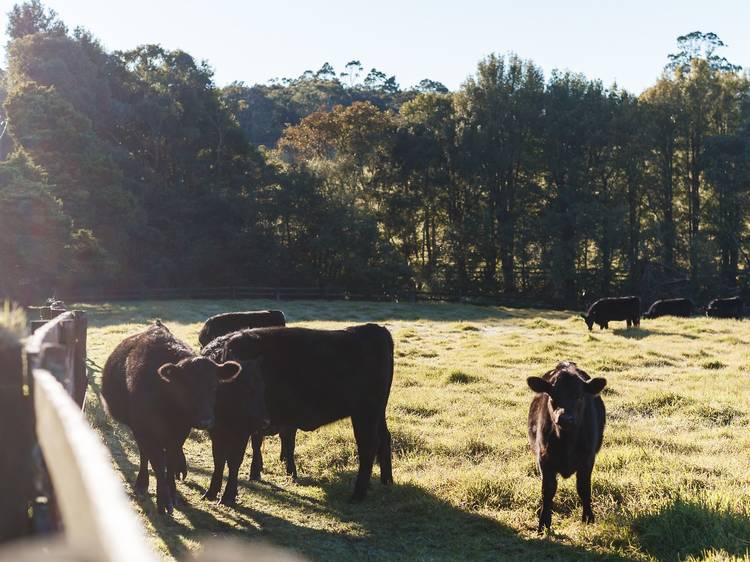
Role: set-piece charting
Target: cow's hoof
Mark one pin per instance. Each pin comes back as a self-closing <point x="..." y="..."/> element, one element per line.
<point x="165" y="508"/>
<point x="209" y="495"/>
<point x="141" y="488"/>
<point x="545" y="522"/>
<point x="255" y="477"/>
<point x="228" y="501"/>
<point x="588" y="517"/>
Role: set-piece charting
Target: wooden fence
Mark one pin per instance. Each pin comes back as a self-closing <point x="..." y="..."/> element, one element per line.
<point x="59" y="474"/>
<point x="308" y="293"/>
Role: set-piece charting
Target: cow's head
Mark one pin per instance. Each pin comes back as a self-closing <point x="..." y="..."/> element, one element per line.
<point x="192" y="385"/>
<point x="567" y="388"/>
<point x="245" y="348"/>
<point x="589" y="318"/>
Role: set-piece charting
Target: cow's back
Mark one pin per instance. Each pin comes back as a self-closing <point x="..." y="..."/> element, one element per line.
<point x="114" y="379"/>
<point x="228" y="322"/>
<point x="616" y="308"/>
<point x="314" y="377"/>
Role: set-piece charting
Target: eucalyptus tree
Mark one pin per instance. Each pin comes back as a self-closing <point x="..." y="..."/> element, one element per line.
<point x="499" y="114"/>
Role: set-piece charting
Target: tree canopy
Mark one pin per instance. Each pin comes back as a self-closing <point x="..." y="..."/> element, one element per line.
<point x="132" y="168"/>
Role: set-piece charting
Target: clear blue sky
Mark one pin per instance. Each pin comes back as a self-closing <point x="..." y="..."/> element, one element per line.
<point x="626" y="41"/>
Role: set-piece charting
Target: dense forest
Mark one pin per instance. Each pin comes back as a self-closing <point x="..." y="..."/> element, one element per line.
<point x="133" y="169"/>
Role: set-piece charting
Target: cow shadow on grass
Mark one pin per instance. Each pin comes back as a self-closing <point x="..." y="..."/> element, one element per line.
<point x="689" y="528"/>
<point x="402" y="521"/>
<point x="641" y="333"/>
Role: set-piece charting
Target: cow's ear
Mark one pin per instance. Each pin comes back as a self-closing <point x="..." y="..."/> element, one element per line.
<point x="538" y="384"/>
<point x="168" y="371"/>
<point x="227" y="372"/>
<point x="595" y="386"/>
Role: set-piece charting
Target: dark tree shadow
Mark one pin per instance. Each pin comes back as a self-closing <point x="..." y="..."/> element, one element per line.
<point x="685" y="528"/>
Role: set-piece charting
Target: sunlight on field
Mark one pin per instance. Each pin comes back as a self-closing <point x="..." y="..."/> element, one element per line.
<point x="672" y="480"/>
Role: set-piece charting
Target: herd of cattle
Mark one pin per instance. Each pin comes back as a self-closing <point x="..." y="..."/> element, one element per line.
<point x="256" y="377"/>
<point x="605" y="310"/>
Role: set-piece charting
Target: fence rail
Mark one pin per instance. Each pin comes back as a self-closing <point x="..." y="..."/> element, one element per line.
<point x="308" y="293"/>
<point x="70" y="484"/>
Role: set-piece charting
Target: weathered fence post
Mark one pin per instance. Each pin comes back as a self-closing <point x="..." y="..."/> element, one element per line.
<point x="80" y="380"/>
<point x="16" y="439"/>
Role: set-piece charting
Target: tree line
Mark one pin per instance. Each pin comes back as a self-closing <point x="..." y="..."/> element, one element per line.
<point x="133" y="169"/>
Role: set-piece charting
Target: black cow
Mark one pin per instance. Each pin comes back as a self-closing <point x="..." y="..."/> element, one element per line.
<point x="566" y="428"/>
<point x="614" y="308"/>
<point x="726" y="308"/>
<point x="228" y="322"/>
<point x="240" y="414"/>
<point x="315" y="377"/>
<point x="157" y="386"/>
<point x="670" y="307"/>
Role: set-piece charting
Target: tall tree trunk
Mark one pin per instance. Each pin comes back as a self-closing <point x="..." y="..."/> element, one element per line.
<point x="668" y="227"/>
<point x="634" y="233"/>
<point x="695" y="206"/>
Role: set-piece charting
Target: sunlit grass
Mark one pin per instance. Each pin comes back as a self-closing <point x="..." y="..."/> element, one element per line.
<point x="672" y="481"/>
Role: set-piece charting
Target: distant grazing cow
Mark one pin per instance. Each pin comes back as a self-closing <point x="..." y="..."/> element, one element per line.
<point x="726" y="308"/>
<point x="566" y="428"/>
<point x="614" y="308"/>
<point x="222" y="324"/>
<point x="670" y="307"/>
<point x="157" y="386"/>
<point x="240" y="414"/>
<point x="315" y="377"/>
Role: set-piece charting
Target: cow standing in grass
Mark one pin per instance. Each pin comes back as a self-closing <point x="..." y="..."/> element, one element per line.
<point x="156" y="385"/>
<point x="614" y="308"/>
<point x="726" y="308"/>
<point x="566" y="428"/>
<point x="670" y="307"/>
<point x="241" y="414"/>
<point x="315" y="377"/>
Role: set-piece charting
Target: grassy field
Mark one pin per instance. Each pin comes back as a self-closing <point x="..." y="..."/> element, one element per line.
<point x="672" y="481"/>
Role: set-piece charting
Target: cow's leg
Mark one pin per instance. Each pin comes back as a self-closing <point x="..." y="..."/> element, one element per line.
<point x="173" y="454"/>
<point x="637" y="321"/>
<point x="141" y="481"/>
<point x="288" y="439"/>
<point x="155" y="454"/>
<point x="384" y="453"/>
<point x="256" y="467"/>
<point x="235" y="454"/>
<point x="627" y="322"/>
<point x="218" y="449"/>
<point x="366" y="435"/>
<point x="181" y="468"/>
<point x="583" y="485"/>
<point x="549" y="487"/>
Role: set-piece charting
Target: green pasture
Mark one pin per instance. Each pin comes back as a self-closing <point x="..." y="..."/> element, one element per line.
<point x="672" y="481"/>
